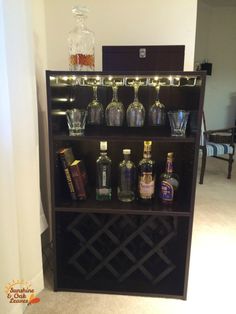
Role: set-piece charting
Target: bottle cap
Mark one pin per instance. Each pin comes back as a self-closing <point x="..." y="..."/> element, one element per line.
<point x="103" y="146"/>
<point x="170" y="155"/>
<point x="126" y="151"/>
<point x="80" y="10"/>
<point x="148" y="144"/>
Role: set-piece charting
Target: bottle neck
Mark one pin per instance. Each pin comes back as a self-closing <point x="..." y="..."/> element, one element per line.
<point x="103" y="153"/>
<point x="169" y="165"/>
<point x="126" y="157"/>
<point x="80" y="21"/>
<point x="146" y="154"/>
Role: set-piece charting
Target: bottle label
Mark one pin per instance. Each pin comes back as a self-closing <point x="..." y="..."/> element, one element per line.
<point x="103" y="191"/>
<point x="104" y="176"/>
<point x="127" y="179"/>
<point x="167" y="191"/>
<point x="146" y="185"/>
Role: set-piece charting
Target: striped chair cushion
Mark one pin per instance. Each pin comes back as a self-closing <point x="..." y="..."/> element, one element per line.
<point x="218" y="149"/>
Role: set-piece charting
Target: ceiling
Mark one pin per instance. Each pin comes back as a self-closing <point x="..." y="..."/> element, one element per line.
<point x="220" y="3"/>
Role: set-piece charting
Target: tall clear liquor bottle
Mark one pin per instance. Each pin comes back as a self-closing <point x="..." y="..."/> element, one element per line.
<point x="169" y="182"/>
<point x="103" y="176"/>
<point x="146" y="170"/>
<point x="127" y="176"/>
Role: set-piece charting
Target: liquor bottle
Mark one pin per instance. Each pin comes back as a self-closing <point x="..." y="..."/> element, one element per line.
<point x="127" y="174"/>
<point x="146" y="169"/>
<point x="81" y="42"/>
<point x="169" y="182"/>
<point x="103" y="178"/>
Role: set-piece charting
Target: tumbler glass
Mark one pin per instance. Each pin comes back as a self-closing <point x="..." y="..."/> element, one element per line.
<point x="178" y="122"/>
<point x="76" y="120"/>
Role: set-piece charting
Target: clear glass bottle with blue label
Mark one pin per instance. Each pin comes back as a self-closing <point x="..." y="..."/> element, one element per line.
<point x="127" y="178"/>
<point x="169" y="182"/>
<point x="103" y="178"/>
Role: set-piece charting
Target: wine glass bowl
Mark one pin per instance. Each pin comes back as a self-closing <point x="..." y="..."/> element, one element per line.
<point x="157" y="114"/>
<point x="135" y="114"/>
<point x="95" y="110"/>
<point x="114" y="113"/>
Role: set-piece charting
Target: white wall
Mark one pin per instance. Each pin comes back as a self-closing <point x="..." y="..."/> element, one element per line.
<point x="153" y="22"/>
<point x="40" y="55"/>
<point x="202" y="32"/>
<point x="20" y="244"/>
<point x="216" y="41"/>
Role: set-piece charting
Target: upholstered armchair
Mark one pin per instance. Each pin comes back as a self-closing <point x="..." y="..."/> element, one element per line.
<point x="218" y="144"/>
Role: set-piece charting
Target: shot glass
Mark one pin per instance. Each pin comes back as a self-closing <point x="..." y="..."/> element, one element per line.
<point x="76" y="120"/>
<point x="178" y="122"/>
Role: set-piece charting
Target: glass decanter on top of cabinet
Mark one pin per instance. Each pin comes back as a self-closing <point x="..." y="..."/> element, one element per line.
<point x="132" y="244"/>
<point x="81" y="42"/>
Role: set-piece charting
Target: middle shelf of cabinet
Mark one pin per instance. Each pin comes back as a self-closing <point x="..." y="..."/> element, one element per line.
<point x="157" y="134"/>
<point x="88" y="151"/>
<point x="114" y="206"/>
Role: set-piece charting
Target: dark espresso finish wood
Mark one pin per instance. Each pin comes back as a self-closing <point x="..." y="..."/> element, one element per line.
<point x="143" y="58"/>
<point x="110" y="246"/>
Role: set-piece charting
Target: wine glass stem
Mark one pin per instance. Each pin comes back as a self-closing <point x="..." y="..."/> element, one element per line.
<point x="114" y="97"/>
<point x="157" y="92"/>
<point x="95" y="94"/>
<point x="136" y="92"/>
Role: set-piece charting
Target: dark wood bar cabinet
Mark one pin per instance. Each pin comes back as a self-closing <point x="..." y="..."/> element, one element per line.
<point x="111" y="246"/>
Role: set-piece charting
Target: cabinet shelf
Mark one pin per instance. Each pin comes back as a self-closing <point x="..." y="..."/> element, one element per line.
<point x="117" y="207"/>
<point x="127" y="134"/>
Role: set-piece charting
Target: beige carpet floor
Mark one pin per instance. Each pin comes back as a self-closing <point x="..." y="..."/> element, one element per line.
<point x="212" y="278"/>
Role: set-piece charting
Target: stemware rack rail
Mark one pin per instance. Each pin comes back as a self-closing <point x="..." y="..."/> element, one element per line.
<point x="141" y="80"/>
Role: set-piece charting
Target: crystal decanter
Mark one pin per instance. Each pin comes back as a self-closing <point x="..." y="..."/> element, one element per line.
<point x="81" y="42"/>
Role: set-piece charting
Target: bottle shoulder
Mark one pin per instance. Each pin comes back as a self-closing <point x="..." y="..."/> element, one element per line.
<point x="103" y="159"/>
<point x="146" y="161"/>
<point x="127" y="164"/>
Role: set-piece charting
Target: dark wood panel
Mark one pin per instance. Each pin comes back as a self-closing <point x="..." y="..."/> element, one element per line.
<point x="121" y="254"/>
<point x="65" y="211"/>
<point x="158" y="58"/>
